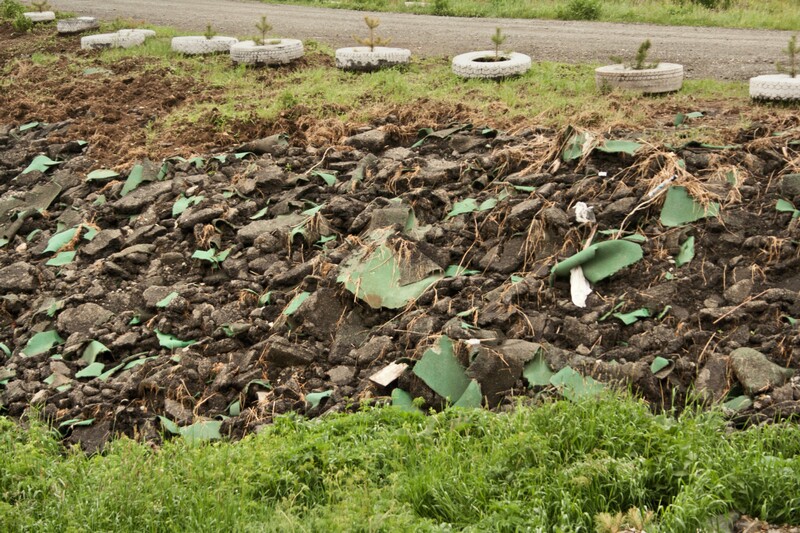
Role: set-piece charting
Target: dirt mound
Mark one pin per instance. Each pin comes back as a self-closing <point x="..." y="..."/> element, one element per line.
<point x="281" y="277"/>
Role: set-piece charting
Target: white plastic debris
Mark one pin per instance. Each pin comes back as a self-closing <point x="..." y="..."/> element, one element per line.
<point x="579" y="287"/>
<point x="473" y="342"/>
<point x="660" y="187"/>
<point x="602" y="174"/>
<point x="388" y="374"/>
<point x="584" y="213"/>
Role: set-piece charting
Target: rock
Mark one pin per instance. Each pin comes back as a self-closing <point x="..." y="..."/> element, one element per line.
<point x="142" y="197"/>
<point x="19" y="276"/>
<point x="497" y="370"/>
<point x="618" y="210"/>
<point x="373" y="351"/>
<point x="83" y="318"/>
<point x="739" y="291"/>
<point x="250" y="232"/>
<point x="341" y="375"/>
<point x="156" y="293"/>
<point x="189" y="218"/>
<point x="177" y="412"/>
<point x="274" y="145"/>
<point x="712" y="380"/>
<point x="790" y="185"/>
<point x="105" y="239"/>
<point x="369" y="141"/>
<point x="320" y="314"/>
<point x="505" y="258"/>
<point x="577" y="333"/>
<point x="282" y="353"/>
<point x="755" y="372"/>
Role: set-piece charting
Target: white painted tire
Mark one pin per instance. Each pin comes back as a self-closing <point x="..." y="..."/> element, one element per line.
<point x="664" y="78"/>
<point x="469" y="65"/>
<point x="280" y="53"/>
<point x="111" y="40"/>
<point x="40" y="16"/>
<point x="362" y="59"/>
<point x="780" y="87"/>
<point x="147" y="33"/>
<point x="77" y="25"/>
<point x="198" y="44"/>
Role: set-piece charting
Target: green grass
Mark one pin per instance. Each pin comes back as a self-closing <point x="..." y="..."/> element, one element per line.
<point x="766" y="14"/>
<point x="553" y="467"/>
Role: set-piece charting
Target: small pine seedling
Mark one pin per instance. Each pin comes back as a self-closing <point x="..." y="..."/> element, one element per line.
<point x="41" y="6"/>
<point x="793" y="51"/>
<point x="640" y="61"/>
<point x="373" y="40"/>
<point x="264" y="28"/>
<point x="498" y="39"/>
<point x="210" y="33"/>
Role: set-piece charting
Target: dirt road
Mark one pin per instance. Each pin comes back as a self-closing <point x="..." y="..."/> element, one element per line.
<point x="705" y="52"/>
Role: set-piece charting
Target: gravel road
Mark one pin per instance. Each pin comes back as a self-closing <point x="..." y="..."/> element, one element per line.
<point x="705" y="52"/>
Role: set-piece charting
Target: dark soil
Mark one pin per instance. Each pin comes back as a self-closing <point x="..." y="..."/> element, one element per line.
<point x="254" y="356"/>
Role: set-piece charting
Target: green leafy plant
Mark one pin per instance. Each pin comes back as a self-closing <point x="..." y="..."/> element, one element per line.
<point x="21" y="23"/>
<point x="793" y="51"/>
<point x="209" y="33"/>
<point x="640" y="59"/>
<point x="441" y="7"/>
<point x="580" y="10"/>
<point x="373" y="40"/>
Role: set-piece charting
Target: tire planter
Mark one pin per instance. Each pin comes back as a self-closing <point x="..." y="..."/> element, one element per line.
<point x="40" y="16"/>
<point x="362" y="59"/>
<point x="280" y="53"/>
<point x="664" y="78"/>
<point x="469" y="65"/>
<point x="146" y="33"/>
<point x="112" y="40"/>
<point x="778" y="87"/>
<point x="198" y="44"/>
<point x="77" y="25"/>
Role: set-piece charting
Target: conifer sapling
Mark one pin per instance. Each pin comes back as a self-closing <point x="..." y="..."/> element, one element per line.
<point x="41" y="6"/>
<point x="210" y="33"/>
<point x="793" y="51"/>
<point x="498" y="39"/>
<point x="264" y="28"/>
<point x="373" y="40"/>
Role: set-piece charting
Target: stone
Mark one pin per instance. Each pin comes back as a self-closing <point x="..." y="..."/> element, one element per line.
<point x="505" y="258"/>
<point x="497" y="370"/>
<point x="790" y="185"/>
<point x="83" y="318"/>
<point x="369" y="141"/>
<point x="250" y="232"/>
<point x="618" y="210"/>
<point x="19" y="276"/>
<point x="755" y="372"/>
<point x="189" y="218"/>
<point x="320" y="314"/>
<point x="712" y="380"/>
<point x="739" y="291"/>
<point x="341" y="375"/>
<point x="156" y="293"/>
<point x="282" y="353"/>
<point x="142" y="197"/>
<point x="105" y="239"/>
